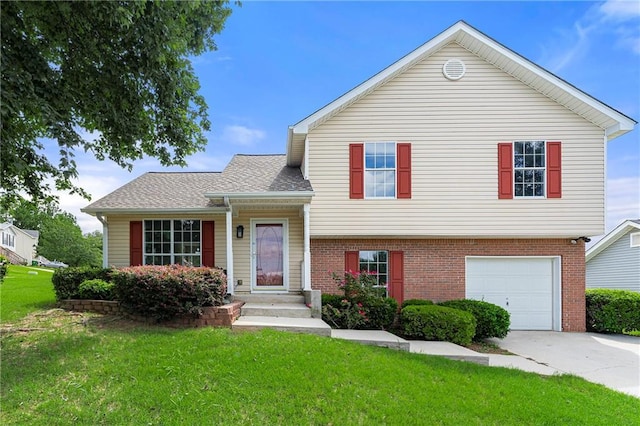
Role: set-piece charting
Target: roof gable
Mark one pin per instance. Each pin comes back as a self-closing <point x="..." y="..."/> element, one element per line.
<point x="612" y="237"/>
<point x="612" y="121"/>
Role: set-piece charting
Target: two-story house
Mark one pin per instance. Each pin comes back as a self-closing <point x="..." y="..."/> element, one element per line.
<point x="461" y="170"/>
<point x="18" y="245"/>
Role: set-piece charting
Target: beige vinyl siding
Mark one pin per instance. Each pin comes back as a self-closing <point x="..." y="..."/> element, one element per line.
<point x="242" y="248"/>
<point x="119" y="236"/>
<point x="454" y="128"/>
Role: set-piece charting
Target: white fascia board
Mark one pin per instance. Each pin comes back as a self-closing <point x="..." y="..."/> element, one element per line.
<point x="610" y="238"/>
<point x="261" y="195"/>
<point x="106" y="212"/>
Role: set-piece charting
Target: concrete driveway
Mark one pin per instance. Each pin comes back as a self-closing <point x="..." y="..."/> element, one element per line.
<point x="611" y="360"/>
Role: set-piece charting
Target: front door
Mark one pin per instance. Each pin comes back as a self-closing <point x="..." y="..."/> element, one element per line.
<point x="269" y="241"/>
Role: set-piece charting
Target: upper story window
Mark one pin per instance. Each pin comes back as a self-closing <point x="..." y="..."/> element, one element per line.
<point x="380" y="169"/>
<point x="168" y="242"/>
<point x="529" y="168"/>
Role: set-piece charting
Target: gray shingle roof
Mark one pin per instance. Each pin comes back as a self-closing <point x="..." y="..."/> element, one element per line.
<point x="248" y="174"/>
<point x="153" y="190"/>
<point x="260" y="173"/>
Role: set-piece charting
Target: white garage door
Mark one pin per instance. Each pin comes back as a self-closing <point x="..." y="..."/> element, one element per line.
<point x="527" y="287"/>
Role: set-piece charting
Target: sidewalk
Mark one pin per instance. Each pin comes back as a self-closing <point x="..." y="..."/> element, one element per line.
<point x="444" y="349"/>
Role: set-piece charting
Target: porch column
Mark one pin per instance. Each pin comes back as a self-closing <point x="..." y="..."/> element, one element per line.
<point x="306" y="280"/>
<point x="230" y="282"/>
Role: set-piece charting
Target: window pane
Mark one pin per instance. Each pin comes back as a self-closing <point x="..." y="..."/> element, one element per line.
<point x="370" y="161"/>
<point x="518" y="161"/>
<point x="528" y="160"/>
<point x="390" y="148"/>
<point x="379" y="162"/>
<point x="148" y="225"/>
<point x="518" y="148"/>
<point x="528" y="148"/>
<point x="539" y="190"/>
<point x="519" y="190"/>
<point x="539" y="160"/>
<point x="390" y="161"/>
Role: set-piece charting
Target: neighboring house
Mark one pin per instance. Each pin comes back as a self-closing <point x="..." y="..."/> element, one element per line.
<point x="462" y="170"/>
<point x="614" y="261"/>
<point x="18" y="245"/>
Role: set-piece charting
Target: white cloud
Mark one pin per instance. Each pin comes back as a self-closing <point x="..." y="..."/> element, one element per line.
<point x="623" y="200"/>
<point x="241" y="135"/>
<point x="620" y="10"/>
<point x="614" y="18"/>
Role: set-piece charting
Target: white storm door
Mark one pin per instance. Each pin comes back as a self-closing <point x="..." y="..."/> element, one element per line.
<point x="269" y="255"/>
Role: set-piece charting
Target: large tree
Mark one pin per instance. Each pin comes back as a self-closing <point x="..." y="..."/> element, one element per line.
<point x="117" y="69"/>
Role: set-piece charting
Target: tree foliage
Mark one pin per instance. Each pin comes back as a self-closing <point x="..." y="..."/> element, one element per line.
<point x="60" y="236"/>
<point x="119" y="70"/>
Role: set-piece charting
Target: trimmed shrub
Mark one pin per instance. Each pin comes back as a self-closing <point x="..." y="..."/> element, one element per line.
<point x="164" y="292"/>
<point x="95" y="290"/>
<point x="433" y="322"/>
<point x="492" y="320"/>
<point x="66" y="281"/>
<point x="331" y="299"/>
<point x="416" y="302"/>
<point x="381" y="313"/>
<point x="612" y="311"/>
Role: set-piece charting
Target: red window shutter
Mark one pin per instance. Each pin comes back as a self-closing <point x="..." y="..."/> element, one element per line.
<point x="135" y="243"/>
<point x="356" y="170"/>
<point x="505" y="170"/>
<point x="404" y="170"/>
<point x="352" y="261"/>
<point x="208" y="243"/>
<point x="554" y="170"/>
<point x="396" y="283"/>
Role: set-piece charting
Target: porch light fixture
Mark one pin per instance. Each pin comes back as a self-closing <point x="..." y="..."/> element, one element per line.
<point x="585" y="239"/>
<point x="239" y="231"/>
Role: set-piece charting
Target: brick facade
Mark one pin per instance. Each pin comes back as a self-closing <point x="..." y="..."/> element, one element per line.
<point x="214" y="316"/>
<point x="435" y="268"/>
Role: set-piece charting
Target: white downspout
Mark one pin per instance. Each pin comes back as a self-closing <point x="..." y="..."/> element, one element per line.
<point x="105" y="240"/>
<point x="307" y="248"/>
<point x="229" y="225"/>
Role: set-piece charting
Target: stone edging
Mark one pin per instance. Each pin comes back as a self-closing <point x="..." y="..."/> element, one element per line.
<point x="212" y="316"/>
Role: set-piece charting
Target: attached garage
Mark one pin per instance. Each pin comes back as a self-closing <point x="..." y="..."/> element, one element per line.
<point x="527" y="287"/>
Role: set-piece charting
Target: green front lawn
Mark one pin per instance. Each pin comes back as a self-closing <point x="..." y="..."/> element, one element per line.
<point x="91" y="370"/>
<point x="61" y="368"/>
<point x="23" y="292"/>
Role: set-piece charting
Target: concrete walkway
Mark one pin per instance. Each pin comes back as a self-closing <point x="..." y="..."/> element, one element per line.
<point x="609" y="360"/>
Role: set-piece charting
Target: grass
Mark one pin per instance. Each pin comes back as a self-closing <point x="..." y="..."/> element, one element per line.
<point x="62" y="368"/>
<point x="25" y="290"/>
<point x="90" y="369"/>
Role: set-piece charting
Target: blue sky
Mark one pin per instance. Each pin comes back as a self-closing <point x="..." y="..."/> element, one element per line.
<point x="278" y="62"/>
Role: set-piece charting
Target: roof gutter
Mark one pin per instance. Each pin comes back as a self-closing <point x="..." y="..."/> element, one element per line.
<point x="260" y="195"/>
<point x="155" y="210"/>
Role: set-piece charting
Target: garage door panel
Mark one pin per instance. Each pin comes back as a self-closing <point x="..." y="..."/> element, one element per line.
<point x="522" y="286"/>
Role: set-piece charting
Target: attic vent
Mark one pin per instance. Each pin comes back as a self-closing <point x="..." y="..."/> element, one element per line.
<point x="453" y="69"/>
<point x="635" y="239"/>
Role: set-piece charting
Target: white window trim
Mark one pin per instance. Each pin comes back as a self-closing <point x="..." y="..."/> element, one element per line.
<point x="172" y="254"/>
<point x="634" y="239"/>
<point x="545" y="168"/>
<point x="395" y="169"/>
<point x="387" y="274"/>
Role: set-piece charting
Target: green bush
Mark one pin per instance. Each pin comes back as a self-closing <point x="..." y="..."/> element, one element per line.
<point x="66" y="281"/>
<point x="416" y="302"/>
<point x="492" y="320"/>
<point x="363" y="306"/>
<point x="381" y="313"/>
<point x="164" y="292"/>
<point x="433" y="322"/>
<point x="612" y="311"/>
<point x="4" y="264"/>
<point x="95" y="290"/>
<point x="331" y="299"/>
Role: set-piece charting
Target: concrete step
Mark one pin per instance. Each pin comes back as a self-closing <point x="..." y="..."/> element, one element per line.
<point x="295" y="325"/>
<point x="373" y="338"/>
<point x="269" y="298"/>
<point x="289" y="310"/>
